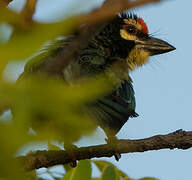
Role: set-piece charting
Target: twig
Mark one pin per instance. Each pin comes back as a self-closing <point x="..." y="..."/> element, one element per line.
<point x="110" y="8"/>
<point x="4" y="3"/>
<point x="28" y="10"/>
<point x="179" y="139"/>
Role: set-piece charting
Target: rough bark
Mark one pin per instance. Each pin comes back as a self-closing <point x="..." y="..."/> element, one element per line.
<point x="179" y="139"/>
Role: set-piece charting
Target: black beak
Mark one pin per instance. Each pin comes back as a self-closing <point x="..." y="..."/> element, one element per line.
<point x="154" y="46"/>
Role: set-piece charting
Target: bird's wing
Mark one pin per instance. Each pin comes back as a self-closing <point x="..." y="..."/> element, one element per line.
<point x="113" y="111"/>
<point x="46" y="53"/>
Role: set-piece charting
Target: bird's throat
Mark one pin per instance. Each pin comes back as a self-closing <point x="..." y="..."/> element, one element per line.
<point x="137" y="57"/>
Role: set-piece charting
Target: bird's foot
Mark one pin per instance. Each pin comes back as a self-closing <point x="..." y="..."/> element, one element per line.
<point x="70" y="150"/>
<point x="117" y="156"/>
<point x="112" y="141"/>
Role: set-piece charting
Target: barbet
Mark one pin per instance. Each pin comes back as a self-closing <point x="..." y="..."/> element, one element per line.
<point x="120" y="46"/>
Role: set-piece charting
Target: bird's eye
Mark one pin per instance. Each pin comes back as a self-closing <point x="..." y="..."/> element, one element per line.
<point x="131" y="29"/>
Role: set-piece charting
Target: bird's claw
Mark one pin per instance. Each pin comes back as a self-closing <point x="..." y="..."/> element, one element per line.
<point x="117" y="156"/>
<point x="70" y="150"/>
<point x="111" y="141"/>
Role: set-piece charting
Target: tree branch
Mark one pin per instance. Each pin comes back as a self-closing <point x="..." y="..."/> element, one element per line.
<point x="28" y="10"/>
<point x="179" y="139"/>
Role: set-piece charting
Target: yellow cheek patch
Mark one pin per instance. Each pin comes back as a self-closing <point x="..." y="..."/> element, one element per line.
<point x="137" y="57"/>
<point x="126" y="35"/>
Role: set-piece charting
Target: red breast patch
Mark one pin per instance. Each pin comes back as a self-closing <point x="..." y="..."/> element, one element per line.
<point x="143" y="24"/>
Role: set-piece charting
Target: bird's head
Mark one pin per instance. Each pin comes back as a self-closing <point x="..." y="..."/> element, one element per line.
<point x="135" y="31"/>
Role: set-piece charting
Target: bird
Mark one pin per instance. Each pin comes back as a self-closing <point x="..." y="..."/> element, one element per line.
<point x="120" y="46"/>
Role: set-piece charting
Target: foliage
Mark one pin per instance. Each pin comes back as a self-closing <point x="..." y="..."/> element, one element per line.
<point x="85" y="168"/>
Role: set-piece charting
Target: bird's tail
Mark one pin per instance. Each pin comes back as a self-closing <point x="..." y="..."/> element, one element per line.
<point x="113" y="111"/>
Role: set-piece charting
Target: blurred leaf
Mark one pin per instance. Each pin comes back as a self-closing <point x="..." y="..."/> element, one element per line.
<point x="109" y="173"/>
<point x="24" y="43"/>
<point x="52" y="108"/>
<point x="9" y="167"/>
<point x="12" y="137"/>
<point x="81" y="172"/>
<point x="31" y="175"/>
<point x="11" y="17"/>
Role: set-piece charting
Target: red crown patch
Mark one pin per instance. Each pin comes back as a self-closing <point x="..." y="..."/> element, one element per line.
<point x="144" y="25"/>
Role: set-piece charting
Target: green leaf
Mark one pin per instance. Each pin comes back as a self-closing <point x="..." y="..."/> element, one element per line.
<point x="123" y="175"/>
<point x="67" y="167"/>
<point x="53" y="147"/>
<point x="101" y="165"/>
<point x="109" y="173"/>
<point x="81" y="172"/>
<point x="68" y="175"/>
